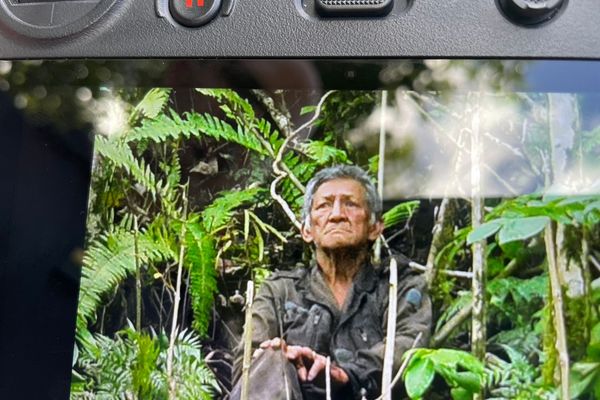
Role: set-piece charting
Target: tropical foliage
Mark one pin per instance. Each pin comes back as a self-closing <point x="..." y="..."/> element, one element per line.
<point x="187" y="205"/>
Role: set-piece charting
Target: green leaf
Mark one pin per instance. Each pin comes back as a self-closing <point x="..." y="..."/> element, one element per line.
<point x="591" y="207"/>
<point x="374" y="165"/>
<point x="200" y="260"/>
<point x="581" y="383"/>
<point x="419" y="376"/>
<point x="323" y="153"/>
<point x="107" y="262"/>
<point x="593" y="349"/>
<point x="461" y="394"/>
<point x="451" y="358"/>
<point x="153" y="102"/>
<point x="469" y="381"/>
<point x="307" y="109"/>
<point x="484" y="231"/>
<point x="400" y="213"/>
<point x="120" y="154"/>
<point x="521" y="228"/>
<point x="220" y="211"/>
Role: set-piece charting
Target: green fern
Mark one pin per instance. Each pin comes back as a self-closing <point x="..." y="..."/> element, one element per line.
<point x="133" y="365"/>
<point x="153" y="103"/>
<point x="221" y="130"/>
<point x="221" y="210"/>
<point x="107" y="262"/>
<point x="231" y="103"/>
<point x="322" y="153"/>
<point x="172" y="126"/>
<point x="120" y="154"/>
<point x="200" y="260"/>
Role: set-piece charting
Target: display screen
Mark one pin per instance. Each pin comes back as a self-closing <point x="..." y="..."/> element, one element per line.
<point x="143" y="196"/>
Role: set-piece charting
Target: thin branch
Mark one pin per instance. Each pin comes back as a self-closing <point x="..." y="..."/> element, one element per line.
<point x="434" y="103"/>
<point x="595" y="262"/>
<point x="280" y="118"/>
<point x="458" y="274"/>
<point x="328" y="378"/>
<point x="460" y="146"/>
<point x="286" y="208"/>
<point x="173" y="338"/>
<point x="138" y="277"/>
<point x="401" y="370"/>
<point x="279" y="167"/>
<point x="247" y="358"/>
<point x="388" y="359"/>
<point x="436" y="240"/>
<point x="440" y="337"/>
<point x="502" y="143"/>
<point x="381" y="164"/>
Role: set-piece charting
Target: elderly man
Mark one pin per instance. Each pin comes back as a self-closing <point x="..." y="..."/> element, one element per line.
<point x="335" y="307"/>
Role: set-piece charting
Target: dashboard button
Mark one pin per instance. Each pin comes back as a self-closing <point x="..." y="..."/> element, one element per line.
<point x="530" y="12"/>
<point x="194" y="13"/>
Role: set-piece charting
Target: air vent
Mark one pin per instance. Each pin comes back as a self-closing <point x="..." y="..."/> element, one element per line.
<point x="354" y="8"/>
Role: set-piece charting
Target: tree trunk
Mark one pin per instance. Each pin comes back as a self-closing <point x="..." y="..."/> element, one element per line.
<point x="557" y="311"/>
<point x="381" y="165"/>
<point x="571" y="245"/>
<point x="442" y="234"/>
<point x="478" y="327"/>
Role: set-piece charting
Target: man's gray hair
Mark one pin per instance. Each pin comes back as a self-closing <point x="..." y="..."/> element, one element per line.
<point x="343" y="172"/>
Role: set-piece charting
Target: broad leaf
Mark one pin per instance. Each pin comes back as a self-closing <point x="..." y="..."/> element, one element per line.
<point x="484" y="231"/>
<point x="451" y="358"/>
<point x="469" y="381"/>
<point x="521" y="228"/>
<point x="580" y="383"/>
<point x="461" y="394"/>
<point x="419" y="376"/>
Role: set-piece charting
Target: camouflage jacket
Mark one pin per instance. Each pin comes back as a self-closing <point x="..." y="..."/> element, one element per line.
<point x="299" y="306"/>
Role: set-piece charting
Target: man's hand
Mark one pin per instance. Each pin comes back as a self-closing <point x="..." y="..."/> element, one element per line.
<point x="308" y="363"/>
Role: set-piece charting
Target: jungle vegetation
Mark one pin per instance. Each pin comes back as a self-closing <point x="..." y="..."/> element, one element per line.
<point x="190" y="202"/>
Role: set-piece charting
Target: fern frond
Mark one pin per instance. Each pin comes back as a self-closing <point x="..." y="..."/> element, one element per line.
<point x="134" y="365"/>
<point x="400" y="213"/>
<point x="220" y="130"/>
<point x="153" y="102"/>
<point x="171" y="126"/>
<point x="323" y="153"/>
<point x="120" y="154"/>
<point x="235" y="102"/>
<point x="200" y="260"/>
<point x="220" y="211"/>
<point x="107" y="262"/>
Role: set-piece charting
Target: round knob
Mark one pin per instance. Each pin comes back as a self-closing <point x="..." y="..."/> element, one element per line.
<point x="194" y="13"/>
<point x="530" y="12"/>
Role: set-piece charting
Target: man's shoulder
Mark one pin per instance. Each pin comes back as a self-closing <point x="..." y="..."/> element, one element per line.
<point x="295" y="274"/>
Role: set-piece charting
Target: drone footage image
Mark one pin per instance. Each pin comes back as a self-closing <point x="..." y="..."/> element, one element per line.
<point x="386" y="229"/>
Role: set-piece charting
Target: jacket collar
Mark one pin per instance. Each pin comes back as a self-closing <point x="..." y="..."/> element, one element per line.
<point x="318" y="291"/>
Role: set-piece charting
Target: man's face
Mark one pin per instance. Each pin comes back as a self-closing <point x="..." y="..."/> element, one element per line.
<point x="339" y="217"/>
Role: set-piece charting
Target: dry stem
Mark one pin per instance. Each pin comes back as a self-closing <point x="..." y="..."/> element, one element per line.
<point x="247" y="358"/>
<point x="388" y="360"/>
<point x="281" y="170"/>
